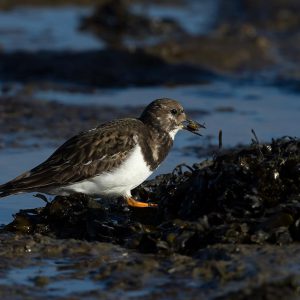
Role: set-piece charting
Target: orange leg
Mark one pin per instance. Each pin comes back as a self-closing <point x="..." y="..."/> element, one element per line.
<point x="135" y="203"/>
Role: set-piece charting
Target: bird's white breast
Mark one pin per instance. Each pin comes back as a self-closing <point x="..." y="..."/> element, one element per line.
<point x="173" y="132"/>
<point x="118" y="182"/>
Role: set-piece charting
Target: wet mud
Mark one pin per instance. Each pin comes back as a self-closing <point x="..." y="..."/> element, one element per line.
<point x="25" y="120"/>
<point x="104" y="68"/>
<point x="216" y="272"/>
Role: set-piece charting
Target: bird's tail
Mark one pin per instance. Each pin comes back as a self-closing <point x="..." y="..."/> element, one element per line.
<point x="25" y="183"/>
<point x="5" y="194"/>
<point x="14" y="186"/>
<point x="5" y="190"/>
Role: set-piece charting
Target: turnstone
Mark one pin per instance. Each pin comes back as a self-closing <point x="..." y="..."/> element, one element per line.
<point x="111" y="159"/>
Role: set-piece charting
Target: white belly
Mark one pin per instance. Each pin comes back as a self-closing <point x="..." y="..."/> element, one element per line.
<point x="119" y="182"/>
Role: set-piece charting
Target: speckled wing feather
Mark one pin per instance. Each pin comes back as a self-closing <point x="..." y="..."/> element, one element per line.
<point x="85" y="155"/>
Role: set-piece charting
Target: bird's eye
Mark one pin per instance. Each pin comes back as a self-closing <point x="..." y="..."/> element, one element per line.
<point x="174" y="111"/>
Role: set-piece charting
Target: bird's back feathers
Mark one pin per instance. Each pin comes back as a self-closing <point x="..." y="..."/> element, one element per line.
<point x="83" y="156"/>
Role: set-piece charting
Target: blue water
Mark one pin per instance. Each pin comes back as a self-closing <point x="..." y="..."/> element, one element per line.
<point x="46" y="28"/>
<point x="50" y="269"/>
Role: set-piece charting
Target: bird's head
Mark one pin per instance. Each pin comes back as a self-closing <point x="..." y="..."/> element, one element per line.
<point x="168" y="115"/>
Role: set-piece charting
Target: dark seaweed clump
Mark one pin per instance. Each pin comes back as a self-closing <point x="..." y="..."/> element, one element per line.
<point x="246" y="195"/>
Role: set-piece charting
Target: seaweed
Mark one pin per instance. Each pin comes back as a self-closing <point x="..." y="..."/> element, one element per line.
<point x="247" y="195"/>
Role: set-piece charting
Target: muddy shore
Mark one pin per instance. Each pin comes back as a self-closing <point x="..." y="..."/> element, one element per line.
<point x="217" y="272"/>
<point x="106" y="68"/>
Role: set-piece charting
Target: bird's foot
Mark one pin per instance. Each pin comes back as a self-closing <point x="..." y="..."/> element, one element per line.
<point x="134" y="203"/>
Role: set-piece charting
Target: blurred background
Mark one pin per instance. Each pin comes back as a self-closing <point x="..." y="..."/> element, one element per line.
<point x="66" y="66"/>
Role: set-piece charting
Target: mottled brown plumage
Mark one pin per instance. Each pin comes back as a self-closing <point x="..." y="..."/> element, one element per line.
<point x="103" y="149"/>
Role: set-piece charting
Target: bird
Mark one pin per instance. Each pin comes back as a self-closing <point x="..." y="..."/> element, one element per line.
<point x="111" y="159"/>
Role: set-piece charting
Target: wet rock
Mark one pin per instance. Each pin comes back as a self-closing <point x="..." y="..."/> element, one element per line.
<point x="276" y="16"/>
<point x="275" y="25"/>
<point x="113" y="21"/>
<point x="221" y="53"/>
<point x="41" y="281"/>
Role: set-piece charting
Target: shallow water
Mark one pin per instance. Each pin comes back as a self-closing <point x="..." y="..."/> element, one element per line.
<point x="47" y="28"/>
<point x="14" y="162"/>
<point x="50" y="269"/>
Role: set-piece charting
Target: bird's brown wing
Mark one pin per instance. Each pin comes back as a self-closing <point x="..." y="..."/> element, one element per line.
<point x="85" y="155"/>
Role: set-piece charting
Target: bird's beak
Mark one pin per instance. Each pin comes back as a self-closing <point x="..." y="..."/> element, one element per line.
<point x="192" y="126"/>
